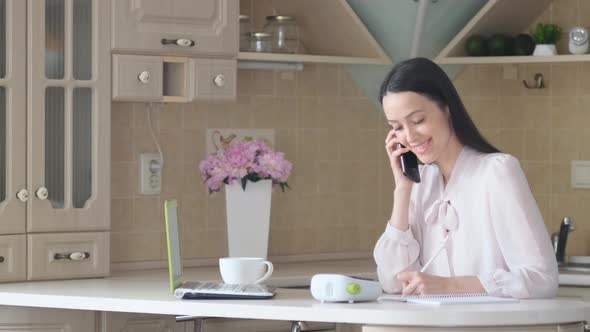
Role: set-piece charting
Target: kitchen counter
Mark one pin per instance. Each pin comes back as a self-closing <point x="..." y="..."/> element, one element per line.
<point x="148" y="292"/>
<point x="574" y="279"/>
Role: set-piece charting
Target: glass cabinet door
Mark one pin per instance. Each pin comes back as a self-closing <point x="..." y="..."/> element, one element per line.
<point x="13" y="188"/>
<point x="70" y="112"/>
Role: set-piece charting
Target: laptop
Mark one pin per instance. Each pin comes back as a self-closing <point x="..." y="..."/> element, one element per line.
<point x="197" y="289"/>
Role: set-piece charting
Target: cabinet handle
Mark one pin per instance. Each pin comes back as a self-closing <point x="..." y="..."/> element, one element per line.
<point x="144" y="77"/>
<point x="73" y="256"/>
<point x="42" y="193"/>
<point x="22" y="195"/>
<point x="183" y="42"/>
<point x="219" y="81"/>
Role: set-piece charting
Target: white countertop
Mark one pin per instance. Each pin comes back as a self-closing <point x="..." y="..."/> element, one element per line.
<point x="148" y="292"/>
<point x="574" y="279"/>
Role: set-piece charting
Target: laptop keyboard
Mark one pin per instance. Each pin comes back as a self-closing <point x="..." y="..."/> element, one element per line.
<point x="217" y="287"/>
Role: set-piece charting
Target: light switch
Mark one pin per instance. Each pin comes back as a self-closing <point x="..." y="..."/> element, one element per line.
<point x="581" y="174"/>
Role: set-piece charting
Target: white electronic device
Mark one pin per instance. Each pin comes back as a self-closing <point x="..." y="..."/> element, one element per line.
<point x="342" y="288"/>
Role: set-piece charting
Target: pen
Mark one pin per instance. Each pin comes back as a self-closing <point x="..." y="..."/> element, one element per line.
<point x="435" y="255"/>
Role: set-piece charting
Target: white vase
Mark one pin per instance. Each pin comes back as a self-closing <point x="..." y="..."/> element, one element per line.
<point x="544" y="50"/>
<point x="248" y="218"/>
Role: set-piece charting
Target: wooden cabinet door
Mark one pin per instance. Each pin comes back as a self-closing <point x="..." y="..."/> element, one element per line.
<point x="13" y="117"/>
<point x="127" y="322"/>
<point x="23" y="319"/>
<point x="69" y="115"/>
<point x="211" y="26"/>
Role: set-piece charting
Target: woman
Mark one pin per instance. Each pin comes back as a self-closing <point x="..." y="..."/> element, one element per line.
<point x="473" y="205"/>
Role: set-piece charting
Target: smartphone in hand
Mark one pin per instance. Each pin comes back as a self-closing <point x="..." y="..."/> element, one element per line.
<point x="409" y="163"/>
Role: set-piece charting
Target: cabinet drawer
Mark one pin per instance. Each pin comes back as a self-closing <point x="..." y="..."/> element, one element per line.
<point x="137" y="77"/>
<point x="13" y="255"/>
<point x="68" y="255"/>
<point x="213" y="79"/>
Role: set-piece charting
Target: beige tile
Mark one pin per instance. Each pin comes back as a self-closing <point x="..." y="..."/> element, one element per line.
<point x="544" y="204"/>
<point x="286" y="83"/>
<point x="328" y="80"/>
<point x="217" y="115"/>
<point x="349" y="144"/>
<point x="539" y="177"/>
<point x="306" y="81"/>
<point x="171" y="116"/>
<point x="123" y="179"/>
<point x="308" y="112"/>
<point x="307" y="145"/>
<point x="245" y="86"/>
<point x="564" y="145"/>
<point x="193" y="211"/>
<point x="136" y="246"/>
<point x="143" y="142"/>
<point x="328" y="177"/>
<point x="512" y="141"/>
<point x="194" y="145"/>
<point x="304" y="177"/>
<point x="263" y="82"/>
<point x="486" y="80"/>
<point x="348" y="87"/>
<point x="561" y="178"/>
<point x="147" y="214"/>
<point x="564" y="13"/>
<point x="192" y="183"/>
<point x="510" y="112"/>
<point x="564" y="79"/>
<point x="328" y="243"/>
<point x="584" y="77"/>
<point x="349" y="180"/>
<point x="121" y="214"/>
<point x="485" y="113"/>
<point x="172" y="147"/>
<point x="564" y="113"/>
<point x="371" y="145"/>
<point x="304" y="241"/>
<point x="121" y="144"/>
<point x="349" y="209"/>
<point x="241" y="114"/>
<point x="195" y="117"/>
<point x="334" y="114"/>
<point x="464" y="82"/>
<point x="121" y="114"/>
<point x="350" y="239"/>
<point x="583" y="112"/>
<point x="216" y="217"/>
<point x="286" y="142"/>
<point x="584" y="144"/>
<point x="140" y="115"/>
<point x="537" y="112"/>
<point x="173" y="179"/>
<point x="537" y="145"/>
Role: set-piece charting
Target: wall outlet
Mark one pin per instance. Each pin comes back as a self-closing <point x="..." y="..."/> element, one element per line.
<point x="150" y="170"/>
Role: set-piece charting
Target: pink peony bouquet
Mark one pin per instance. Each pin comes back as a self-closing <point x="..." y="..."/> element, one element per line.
<point x="252" y="160"/>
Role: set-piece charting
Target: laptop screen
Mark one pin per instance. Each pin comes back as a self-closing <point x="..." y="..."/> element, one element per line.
<point x="173" y="244"/>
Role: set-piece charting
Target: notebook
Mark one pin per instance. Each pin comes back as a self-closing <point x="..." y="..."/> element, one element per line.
<point x="471" y="298"/>
<point x="199" y="289"/>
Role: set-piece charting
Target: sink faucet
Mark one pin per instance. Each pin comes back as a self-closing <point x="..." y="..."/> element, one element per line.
<point x="559" y="239"/>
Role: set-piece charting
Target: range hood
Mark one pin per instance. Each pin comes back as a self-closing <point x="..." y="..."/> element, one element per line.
<point x="393" y="24"/>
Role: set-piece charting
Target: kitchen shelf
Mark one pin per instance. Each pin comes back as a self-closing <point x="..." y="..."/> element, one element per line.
<point x="329" y="30"/>
<point x="512" y="59"/>
<point x="500" y="16"/>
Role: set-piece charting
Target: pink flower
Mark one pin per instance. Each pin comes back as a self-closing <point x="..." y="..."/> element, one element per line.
<point x="250" y="160"/>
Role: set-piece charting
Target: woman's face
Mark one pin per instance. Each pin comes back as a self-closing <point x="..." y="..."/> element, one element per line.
<point x="419" y="124"/>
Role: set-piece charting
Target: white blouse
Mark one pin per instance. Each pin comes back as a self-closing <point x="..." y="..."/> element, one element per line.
<point x="496" y="231"/>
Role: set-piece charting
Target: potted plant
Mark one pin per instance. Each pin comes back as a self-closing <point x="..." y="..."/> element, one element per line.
<point x="248" y="169"/>
<point x="545" y="37"/>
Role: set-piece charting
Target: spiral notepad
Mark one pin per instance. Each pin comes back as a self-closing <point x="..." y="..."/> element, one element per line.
<point x="470" y="298"/>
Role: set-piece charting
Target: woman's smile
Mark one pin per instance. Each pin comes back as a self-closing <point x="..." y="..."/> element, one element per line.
<point x="422" y="148"/>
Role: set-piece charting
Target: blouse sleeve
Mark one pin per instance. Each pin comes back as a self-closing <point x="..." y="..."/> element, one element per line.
<point x="397" y="251"/>
<point x="521" y="235"/>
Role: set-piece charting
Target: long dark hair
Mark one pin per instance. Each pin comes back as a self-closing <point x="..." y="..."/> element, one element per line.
<point x="426" y="78"/>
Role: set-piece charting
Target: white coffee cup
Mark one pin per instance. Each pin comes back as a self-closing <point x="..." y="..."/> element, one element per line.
<point x="244" y="270"/>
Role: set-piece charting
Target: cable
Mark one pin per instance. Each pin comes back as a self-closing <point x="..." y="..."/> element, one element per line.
<point x="149" y="116"/>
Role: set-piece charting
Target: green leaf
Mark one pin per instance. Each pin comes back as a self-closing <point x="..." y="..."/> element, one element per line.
<point x="244" y="181"/>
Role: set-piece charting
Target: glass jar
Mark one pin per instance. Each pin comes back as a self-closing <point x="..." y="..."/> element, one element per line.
<point x="245" y="30"/>
<point x="284" y="32"/>
<point x="260" y="42"/>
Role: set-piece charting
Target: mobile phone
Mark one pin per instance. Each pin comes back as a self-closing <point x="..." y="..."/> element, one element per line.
<point x="409" y="163"/>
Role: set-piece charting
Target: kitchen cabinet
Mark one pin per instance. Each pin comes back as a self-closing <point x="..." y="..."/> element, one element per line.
<point x="187" y="27"/>
<point x="174" y="51"/>
<point x="25" y="319"/>
<point x="55" y="138"/>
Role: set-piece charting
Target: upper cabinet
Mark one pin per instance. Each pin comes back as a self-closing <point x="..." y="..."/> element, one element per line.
<point x="329" y="32"/>
<point x="176" y="27"/>
<point x="54" y="139"/>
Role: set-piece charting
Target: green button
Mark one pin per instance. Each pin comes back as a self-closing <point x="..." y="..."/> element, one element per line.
<point x="353" y="288"/>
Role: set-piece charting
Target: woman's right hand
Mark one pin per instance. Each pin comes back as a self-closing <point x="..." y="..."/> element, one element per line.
<point x="402" y="182"/>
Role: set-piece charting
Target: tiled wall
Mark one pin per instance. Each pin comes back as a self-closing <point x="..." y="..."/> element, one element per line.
<point x="341" y="184"/>
<point x="545" y="128"/>
<point x="341" y="181"/>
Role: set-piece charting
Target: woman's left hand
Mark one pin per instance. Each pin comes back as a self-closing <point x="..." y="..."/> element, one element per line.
<point x="419" y="283"/>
